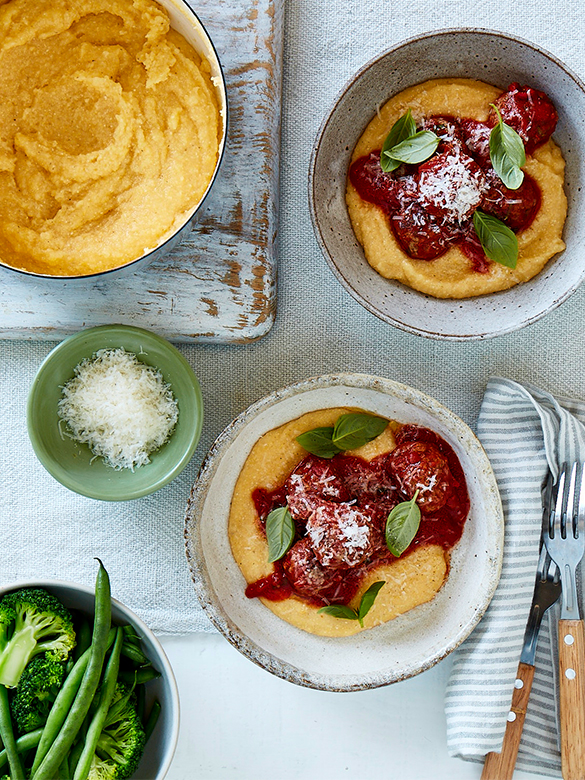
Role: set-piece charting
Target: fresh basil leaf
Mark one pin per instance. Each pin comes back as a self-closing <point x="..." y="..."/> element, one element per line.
<point x="415" y="149"/>
<point x="355" y="429"/>
<point x="497" y="240"/>
<point x="319" y="442"/>
<point x="368" y="599"/>
<point x="348" y="613"/>
<point x="402" y="525"/>
<point x="400" y="131"/>
<point x="280" y="533"/>
<point x="507" y="153"/>
<point x="340" y="611"/>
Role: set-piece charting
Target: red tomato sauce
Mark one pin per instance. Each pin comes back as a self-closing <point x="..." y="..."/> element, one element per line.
<point x="340" y="507"/>
<point x="430" y="206"/>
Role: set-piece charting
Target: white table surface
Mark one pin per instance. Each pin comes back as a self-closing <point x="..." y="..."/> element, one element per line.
<point x="238" y="722"/>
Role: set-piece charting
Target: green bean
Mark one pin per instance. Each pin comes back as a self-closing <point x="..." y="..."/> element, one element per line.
<point x="139" y="676"/>
<point x="26" y="742"/>
<point x="83" y="638"/>
<point x="62" y="704"/>
<point x="130" y="635"/>
<point x="152" y="719"/>
<point x="49" y="766"/>
<point x="75" y="753"/>
<point x="99" y="718"/>
<point x="60" y="708"/>
<point x="16" y="770"/>
<point x="80" y="738"/>
<point x="134" y="654"/>
<point x="64" y="770"/>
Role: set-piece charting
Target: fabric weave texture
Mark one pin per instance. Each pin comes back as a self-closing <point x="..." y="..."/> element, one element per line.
<point x="46" y="531"/>
<point x="525" y="432"/>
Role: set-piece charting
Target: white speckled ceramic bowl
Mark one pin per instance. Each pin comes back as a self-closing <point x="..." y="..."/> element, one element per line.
<point x="394" y="651"/>
<point x="498" y="59"/>
<point x="160" y="749"/>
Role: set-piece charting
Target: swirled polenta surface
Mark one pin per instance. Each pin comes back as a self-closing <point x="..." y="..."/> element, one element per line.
<point x="109" y="132"/>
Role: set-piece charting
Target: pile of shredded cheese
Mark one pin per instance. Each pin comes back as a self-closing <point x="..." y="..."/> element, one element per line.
<point x="456" y="191"/>
<point x="121" y="408"/>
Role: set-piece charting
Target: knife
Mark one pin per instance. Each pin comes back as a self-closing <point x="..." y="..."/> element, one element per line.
<point x="547" y="589"/>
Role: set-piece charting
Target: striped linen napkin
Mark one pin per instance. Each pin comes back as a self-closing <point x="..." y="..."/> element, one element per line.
<point x="523" y="430"/>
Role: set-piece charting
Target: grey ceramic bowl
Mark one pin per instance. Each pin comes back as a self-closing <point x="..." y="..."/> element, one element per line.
<point x="161" y="746"/>
<point x="495" y="58"/>
<point x="184" y="20"/>
<point x="388" y="653"/>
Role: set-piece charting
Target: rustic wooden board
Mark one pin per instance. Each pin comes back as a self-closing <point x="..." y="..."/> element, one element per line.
<point x="219" y="283"/>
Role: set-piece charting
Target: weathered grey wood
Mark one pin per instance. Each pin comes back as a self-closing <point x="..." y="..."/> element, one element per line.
<point x="219" y="283"/>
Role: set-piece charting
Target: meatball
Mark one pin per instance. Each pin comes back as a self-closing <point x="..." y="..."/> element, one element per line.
<point x="419" y="465"/>
<point x="364" y="477"/>
<point x="341" y="535"/>
<point x="418" y="232"/>
<point x="517" y="208"/>
<point x="372" y="183"/>
<point x="450" y="187"/>
<point x="313" y="479"/>
<point x="529" y="112"/>
<point x="477" y="140"/>
<point x="305" y="573"/>
<point x="448" y="130"/>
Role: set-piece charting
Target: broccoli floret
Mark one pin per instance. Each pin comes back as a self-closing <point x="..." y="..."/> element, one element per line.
<point x="101" y="770"/>
<point x="7" y="618"/>
<point x="33" y="621"/>
<point x="121" y="743"/>
<point x="37" y="690"/>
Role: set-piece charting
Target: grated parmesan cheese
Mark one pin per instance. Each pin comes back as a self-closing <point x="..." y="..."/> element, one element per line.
<point x="456" y="191"/>
<point x="121" y="408"/>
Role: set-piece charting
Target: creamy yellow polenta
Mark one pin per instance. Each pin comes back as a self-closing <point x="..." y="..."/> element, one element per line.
<point x="109" y="132"/>
<point x="410" y="581"/>
<point x="451" y="275"/>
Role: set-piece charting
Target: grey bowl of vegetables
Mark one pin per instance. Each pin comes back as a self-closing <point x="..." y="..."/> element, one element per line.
<point x="86" y="690"/>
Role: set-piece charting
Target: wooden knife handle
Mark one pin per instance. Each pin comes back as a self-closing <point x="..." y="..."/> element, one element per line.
<point x="500" y="766"/>
<point x="572" y="696"/>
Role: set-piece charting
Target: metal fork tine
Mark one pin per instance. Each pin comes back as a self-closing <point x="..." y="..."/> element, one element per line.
<point x="542" y="567"/>
<point x="546" y="568"/>
<point x="581" y="503"/>
<point x="552" y="570"/>
<point x="568" y="517"/>
<point x="557" y="512"/>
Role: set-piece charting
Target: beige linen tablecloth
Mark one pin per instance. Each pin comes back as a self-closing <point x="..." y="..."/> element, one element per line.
<point x="46" y="531"/>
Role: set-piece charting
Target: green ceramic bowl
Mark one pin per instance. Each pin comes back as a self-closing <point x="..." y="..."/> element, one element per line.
<point x="73" y="464"/>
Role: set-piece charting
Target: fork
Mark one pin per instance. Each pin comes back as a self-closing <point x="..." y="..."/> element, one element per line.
<point x="565" y="542"/>
<point x="547" y="589"/>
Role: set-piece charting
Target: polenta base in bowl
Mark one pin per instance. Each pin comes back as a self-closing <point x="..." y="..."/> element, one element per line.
<point x="452" y="273"/>
<point x="340" y="506"/>
<point x="109" y="133"/>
